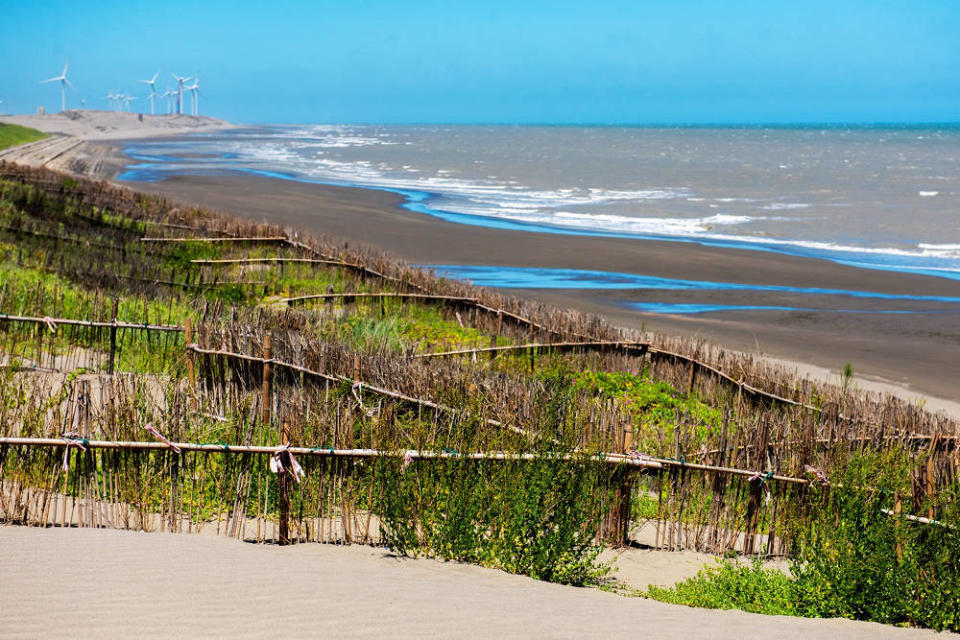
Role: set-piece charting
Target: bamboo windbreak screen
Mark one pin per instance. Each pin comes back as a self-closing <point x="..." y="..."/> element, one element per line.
<point x="157" y="336"/>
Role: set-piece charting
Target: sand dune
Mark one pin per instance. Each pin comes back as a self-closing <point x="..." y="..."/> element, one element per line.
<point x="87" y="583"/>
<point x="114" y="125"/>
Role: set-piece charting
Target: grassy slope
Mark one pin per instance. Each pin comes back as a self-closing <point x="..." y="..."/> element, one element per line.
<point x="12" y="135"/>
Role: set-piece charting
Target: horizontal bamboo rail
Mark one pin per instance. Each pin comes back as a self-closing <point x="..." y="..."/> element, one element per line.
<point x="920" y="519"/>
<point x="425" y="297"/>
<point x="281" y="239"/>
<point x="321" y="451"/>
<point x="114" y="324"/>
<point x="559" y="346"/>
<point x="275" y="260"/>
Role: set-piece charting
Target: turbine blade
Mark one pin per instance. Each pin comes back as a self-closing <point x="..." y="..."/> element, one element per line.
<point x="65" y="67"/>
<point x="51" y="79"/>
<point x="68" y="84"/>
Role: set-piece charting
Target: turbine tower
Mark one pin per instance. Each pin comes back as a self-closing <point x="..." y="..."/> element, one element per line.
<point x="64" y="83"/>
<point x="153" y="90"/>
<point x="195" y="90"/>
<point x="180" y="82"/>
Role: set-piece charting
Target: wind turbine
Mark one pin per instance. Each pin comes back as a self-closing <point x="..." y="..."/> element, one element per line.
<point x="153" y="91"/>
<point x="64" y="83"/>
<point x="127" y="98"/>
<point x="112" y="98"/>
<point x="168" y="94"/>
<point x="180" y="82"/>
<point x="195" y="90"/>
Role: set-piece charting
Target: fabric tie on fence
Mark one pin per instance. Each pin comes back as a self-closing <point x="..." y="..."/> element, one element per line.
<point x="357" y="390"/>
<point x="73" y="440"/>
<point x="762" y="477"/>
<point x="407" y="461"/>
<point x="276" y="463"/>
<point x="819" y="475"/>
<point x="636" y="455"/>
<point x="159" y="436"/>
<point x="50" y="324"/>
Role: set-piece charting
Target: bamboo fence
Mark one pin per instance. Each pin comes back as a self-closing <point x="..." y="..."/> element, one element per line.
<point x="737" y="485"/>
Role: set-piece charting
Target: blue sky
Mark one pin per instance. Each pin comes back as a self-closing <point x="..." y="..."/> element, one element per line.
<point x="501" y="61"/>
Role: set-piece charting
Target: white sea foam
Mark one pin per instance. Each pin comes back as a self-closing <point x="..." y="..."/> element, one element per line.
<point x="784" y="206"/>
<point x="940" y="250"/>
<point x="336" y="154"/>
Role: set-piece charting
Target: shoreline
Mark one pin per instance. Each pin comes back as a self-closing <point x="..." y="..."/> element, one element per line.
<point x="883" y="349"/>
<point x="913" y="356"/>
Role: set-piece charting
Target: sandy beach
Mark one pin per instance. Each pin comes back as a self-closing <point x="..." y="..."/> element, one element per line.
<point x="90" y="124"/>
<point x="98" y="583"/>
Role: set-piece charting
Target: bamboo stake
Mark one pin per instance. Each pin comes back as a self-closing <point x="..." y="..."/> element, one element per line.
<point x="267" y="360"/>
<point x="283" y="487"/>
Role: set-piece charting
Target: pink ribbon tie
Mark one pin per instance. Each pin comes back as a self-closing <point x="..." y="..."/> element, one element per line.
<point x="276" y="463"/>
<point x="820" y="477"/>
<point x="159" y="436"/>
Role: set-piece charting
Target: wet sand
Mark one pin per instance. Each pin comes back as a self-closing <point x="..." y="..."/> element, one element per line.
<point x="920" y="352"/>
<point x="99" y="583"/>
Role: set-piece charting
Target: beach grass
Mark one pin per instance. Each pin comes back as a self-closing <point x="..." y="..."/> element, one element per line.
<point x="12" y="135"/>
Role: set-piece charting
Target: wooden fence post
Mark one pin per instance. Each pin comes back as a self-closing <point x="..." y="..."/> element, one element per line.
<point x="267" y="372"/>
<point x="897" y="509"/>
<point x="283" y="488"/>
<point x="191" y="372"/>
<point x="113" y="338"/>
<point x="615" y="528"/>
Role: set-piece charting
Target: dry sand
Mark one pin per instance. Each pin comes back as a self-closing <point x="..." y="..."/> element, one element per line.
<point x="96" y="583"/>
<point x="111" y="125"/>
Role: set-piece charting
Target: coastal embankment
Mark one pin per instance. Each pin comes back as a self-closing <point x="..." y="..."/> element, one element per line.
<point x="902" y="337"/>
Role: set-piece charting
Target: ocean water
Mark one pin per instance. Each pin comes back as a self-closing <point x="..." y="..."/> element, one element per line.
<point x="877" y="197"/>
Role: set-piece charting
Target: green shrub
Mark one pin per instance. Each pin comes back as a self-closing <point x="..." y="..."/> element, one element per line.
<point x="854" y="559"/>
<point x="730" y="585"/>
<point x="858" y="562"/>
<point x="537" y="518"/>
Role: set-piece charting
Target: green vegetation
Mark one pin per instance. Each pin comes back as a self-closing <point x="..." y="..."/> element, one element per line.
<point x="730" y="585"/>
<point x="12" y="135"/>
<point x="535" y="518"/>
<point x="856" y="560"/>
